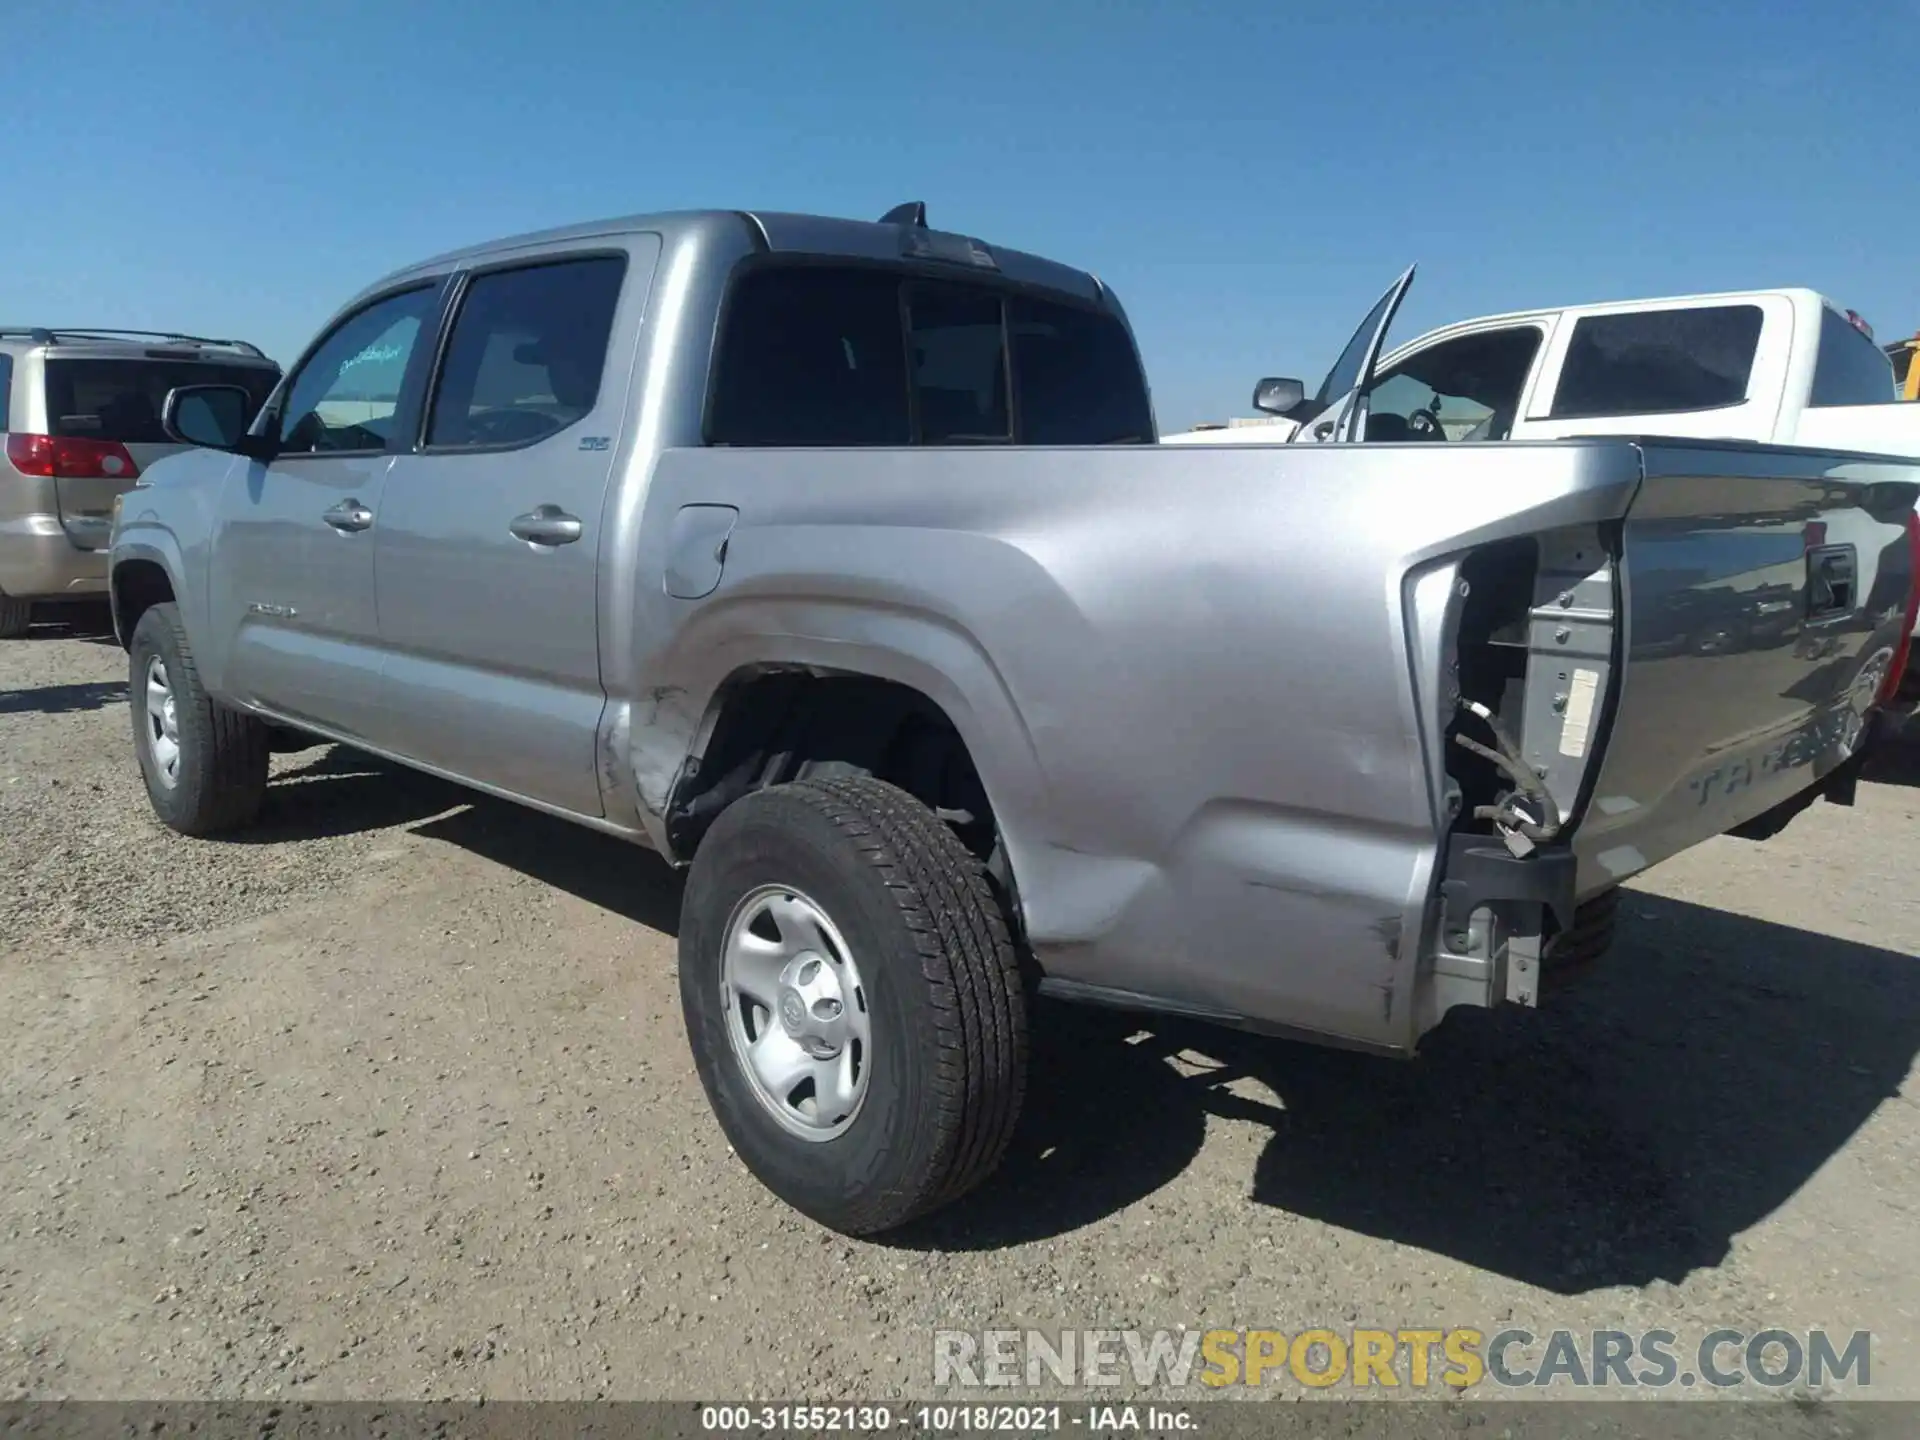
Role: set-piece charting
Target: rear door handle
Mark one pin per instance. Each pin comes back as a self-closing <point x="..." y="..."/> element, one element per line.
<point x="348" y="516"/>
<point x="546" y="525"/>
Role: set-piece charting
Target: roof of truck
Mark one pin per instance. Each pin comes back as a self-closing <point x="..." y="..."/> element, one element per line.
<point x="776" y="231"/>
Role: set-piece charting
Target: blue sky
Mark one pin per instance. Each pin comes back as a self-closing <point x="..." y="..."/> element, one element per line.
<point x="1247" y="176"/>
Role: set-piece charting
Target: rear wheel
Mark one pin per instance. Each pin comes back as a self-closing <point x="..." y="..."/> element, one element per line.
<point x="205" y="764"/>
<point x="853" y="1001"/>
<point x="1571" y="955"/>
<point x="15" y="616"/>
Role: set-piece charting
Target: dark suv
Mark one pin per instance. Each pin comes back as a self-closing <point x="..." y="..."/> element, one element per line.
<point x="80" y="419"/>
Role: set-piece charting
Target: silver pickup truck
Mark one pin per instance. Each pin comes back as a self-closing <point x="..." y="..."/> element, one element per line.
<point x="836" y="560"/>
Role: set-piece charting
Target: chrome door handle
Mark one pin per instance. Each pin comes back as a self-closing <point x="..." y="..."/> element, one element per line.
<point x="546" y="525"/>
<point x="348" y="516"/>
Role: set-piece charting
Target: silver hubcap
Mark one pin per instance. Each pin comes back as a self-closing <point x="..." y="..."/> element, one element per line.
<point x="163" y="723"/>
<point x="796" y="1012"/>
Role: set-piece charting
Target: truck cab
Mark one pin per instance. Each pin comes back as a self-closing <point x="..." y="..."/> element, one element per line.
<point x="1786" y="367"/>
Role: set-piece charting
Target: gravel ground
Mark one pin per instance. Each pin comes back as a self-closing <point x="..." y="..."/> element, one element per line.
<point x="390" y="1100"/>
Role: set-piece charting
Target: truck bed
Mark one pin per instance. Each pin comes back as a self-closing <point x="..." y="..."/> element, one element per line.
<point x="1212" y="692"/>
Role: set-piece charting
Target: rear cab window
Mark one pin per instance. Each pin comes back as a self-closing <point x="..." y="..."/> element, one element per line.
<point x="1849" y="369"/>
<point x="842" y="355"/>
<point x="120" y="399"/>
<point x="957" y="356"/>
<point x="1658" y="362"/>
<point x="6" y="388"/>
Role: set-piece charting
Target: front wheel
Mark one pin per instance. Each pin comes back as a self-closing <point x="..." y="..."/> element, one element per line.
<point x="16" y="615"/>
<point x="853" y="1001"/>
<point x="205" y="764"/>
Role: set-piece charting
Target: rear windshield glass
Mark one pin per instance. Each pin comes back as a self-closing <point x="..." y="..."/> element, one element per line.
<point x="1851" y="369"/>
<point x="121" y="399"/>
<point x="1654" y="362"/>
<point x="828" y="356"/>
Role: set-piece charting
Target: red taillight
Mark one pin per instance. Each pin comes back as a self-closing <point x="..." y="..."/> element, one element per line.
<point x="1897" y="668"/>
<point x="59" y="457"/>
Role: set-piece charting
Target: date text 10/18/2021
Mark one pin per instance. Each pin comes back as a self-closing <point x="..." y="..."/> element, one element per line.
<point x="945" y="1419"/>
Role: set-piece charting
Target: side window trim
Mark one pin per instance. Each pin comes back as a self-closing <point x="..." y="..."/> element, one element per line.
<point x="460" y="286"/>
<point x="417" y="386"/>
<point x="1545" y="362"/>
<point x="270" y="414"/>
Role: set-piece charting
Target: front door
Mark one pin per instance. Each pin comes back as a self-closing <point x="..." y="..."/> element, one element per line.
<point x="1339" y="407"/>
<point x="1467" y="387"/>
<point x="294" y="587"/>
<point x="488" y="561"/>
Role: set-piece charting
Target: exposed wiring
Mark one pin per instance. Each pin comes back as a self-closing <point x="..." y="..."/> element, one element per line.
<point x="1508" y="760"/>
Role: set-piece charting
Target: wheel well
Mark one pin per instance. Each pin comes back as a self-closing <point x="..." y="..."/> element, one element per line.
<point x="782" y="725"/>
<point x="138" y="585"/>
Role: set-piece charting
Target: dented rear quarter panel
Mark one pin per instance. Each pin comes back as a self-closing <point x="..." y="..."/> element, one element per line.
<point x="1203" y="690"/>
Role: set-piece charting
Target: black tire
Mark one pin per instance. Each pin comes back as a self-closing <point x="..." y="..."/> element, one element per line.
<point x="15" y="616"/>
<point x="943" y="989"/>
<point x="284" y="740"/>
<point x="222" y="769"/>
<point x="1572" y="955"/>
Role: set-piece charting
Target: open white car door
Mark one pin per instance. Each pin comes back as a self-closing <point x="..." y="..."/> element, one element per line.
<point x="1339" y="406"/>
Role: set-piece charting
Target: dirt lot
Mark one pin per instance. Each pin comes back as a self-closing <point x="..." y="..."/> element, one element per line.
<point x="391" y="1100"/>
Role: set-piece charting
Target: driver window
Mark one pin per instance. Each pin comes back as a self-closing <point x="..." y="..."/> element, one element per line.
<point x="1462" y="389"/>
<point x="526" y="353"/>
<point x="344" y="397"/>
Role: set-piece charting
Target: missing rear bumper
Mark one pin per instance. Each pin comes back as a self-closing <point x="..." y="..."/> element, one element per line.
<point x="1498" y="913"/>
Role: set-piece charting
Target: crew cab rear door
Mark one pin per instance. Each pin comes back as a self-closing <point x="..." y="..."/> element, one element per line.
<point x="1707" y="367"/>
<point x="1339" y="408"/>
<point x="488" y="561"/>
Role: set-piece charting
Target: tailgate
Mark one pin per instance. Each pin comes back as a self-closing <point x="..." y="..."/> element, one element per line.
<point x="1764" y="591"/>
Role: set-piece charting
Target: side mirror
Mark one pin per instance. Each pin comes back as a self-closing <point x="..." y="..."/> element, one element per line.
<point x="1278" y="397"/>
<point x="214" y="417"/>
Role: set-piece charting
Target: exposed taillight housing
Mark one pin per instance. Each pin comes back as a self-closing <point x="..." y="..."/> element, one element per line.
<point x="1897" y="668"/>
<point x="63" y="457"/>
